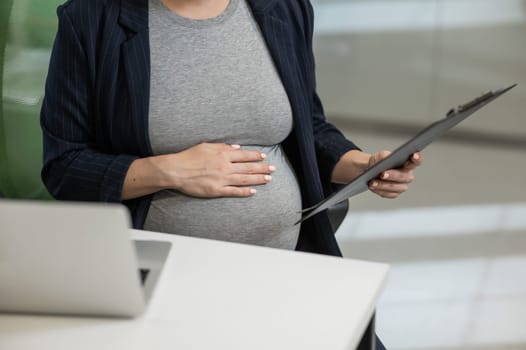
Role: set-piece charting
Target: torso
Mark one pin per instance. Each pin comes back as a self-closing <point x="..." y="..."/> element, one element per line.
<point x="213" y="80"/>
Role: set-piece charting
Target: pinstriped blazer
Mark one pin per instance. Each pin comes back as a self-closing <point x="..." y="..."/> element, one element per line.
<point x="95" y="113"/>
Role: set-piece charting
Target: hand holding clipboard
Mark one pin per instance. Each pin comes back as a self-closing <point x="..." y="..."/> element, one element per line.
<point x="399" y="156"/>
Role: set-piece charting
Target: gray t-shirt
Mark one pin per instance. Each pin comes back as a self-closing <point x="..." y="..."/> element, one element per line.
<point x="213" y="80"/>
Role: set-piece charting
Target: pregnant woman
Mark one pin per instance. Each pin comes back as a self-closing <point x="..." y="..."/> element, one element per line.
<point x="201" y="116"/>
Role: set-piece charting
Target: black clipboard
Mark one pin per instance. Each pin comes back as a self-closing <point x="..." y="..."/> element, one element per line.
<point x="399" y="156"/>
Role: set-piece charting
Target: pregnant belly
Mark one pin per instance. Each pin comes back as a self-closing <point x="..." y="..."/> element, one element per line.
<point x="267" y="218"/>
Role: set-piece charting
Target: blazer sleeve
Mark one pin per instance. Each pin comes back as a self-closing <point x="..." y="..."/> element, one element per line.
<point x="330" y="143"/>
<point x="74" y="169"/>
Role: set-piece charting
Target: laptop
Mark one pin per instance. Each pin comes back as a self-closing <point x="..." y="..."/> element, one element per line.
<point x="74" y="259"/>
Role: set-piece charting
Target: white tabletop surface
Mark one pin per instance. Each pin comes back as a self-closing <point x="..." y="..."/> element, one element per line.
<point x="217" y="295"/>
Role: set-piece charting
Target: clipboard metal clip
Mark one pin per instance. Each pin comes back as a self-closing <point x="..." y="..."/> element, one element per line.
<point x="478" y="101"/>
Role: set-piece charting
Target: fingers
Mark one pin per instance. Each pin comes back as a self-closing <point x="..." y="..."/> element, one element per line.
<point x="232" y="191"/>
<point x="219" y="147"/>
<point x="388" y="195"/>
<point x="248" y="180"/>
<point x="233" y="153"/>
<point x="413" y="162"/>
<point x="238" y="185"/>
<point x="239" y="156"/>
<point x="395" y="175"/>
<point x="388" y="187"/>
<point x="393" y="182"/>
<point x="252" y="168"/>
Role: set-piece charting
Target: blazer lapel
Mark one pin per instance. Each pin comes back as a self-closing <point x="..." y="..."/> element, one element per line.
<point x="277" y="34"/>
<point x="133" y="19"/>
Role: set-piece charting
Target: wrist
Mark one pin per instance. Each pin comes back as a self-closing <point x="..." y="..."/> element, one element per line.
<point x="165" y="171"/>
<point x="145" y="176"/>
<point x="350" y="165"/>
<point x="359" y="160"/>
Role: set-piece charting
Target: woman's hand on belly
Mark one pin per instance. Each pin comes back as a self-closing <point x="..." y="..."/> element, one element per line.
<point x="207" y="170"/>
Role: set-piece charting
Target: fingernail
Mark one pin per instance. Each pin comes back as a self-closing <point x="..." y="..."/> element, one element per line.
<point x="268" y="178"/>
<point x="236" y="146"/>
<point x="374" y="184"/>
<point x="385" y="175"/>
<point x="263" y="155"/>
<point x="271" y="168"/>
<point x="253" y="191"/>
<point x="416" y="156"/>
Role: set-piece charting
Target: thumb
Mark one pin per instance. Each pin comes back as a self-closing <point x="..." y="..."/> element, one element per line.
<point x="375" y="158"/>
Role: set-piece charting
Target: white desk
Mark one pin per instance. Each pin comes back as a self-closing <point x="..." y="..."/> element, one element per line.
<point x="216" y="295"/>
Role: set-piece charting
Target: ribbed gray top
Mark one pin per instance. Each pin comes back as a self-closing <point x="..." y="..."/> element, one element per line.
<point x="213" y="80"/>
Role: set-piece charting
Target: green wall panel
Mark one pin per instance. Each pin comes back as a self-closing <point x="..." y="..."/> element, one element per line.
<point x="27" y="30"/>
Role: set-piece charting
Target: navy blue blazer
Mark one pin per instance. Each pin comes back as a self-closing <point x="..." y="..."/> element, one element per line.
<point x="95" y="112"/>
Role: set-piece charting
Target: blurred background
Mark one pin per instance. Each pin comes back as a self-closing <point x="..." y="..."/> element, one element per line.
<point x="386" y="68"/>
<point x="457" y="239"/>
